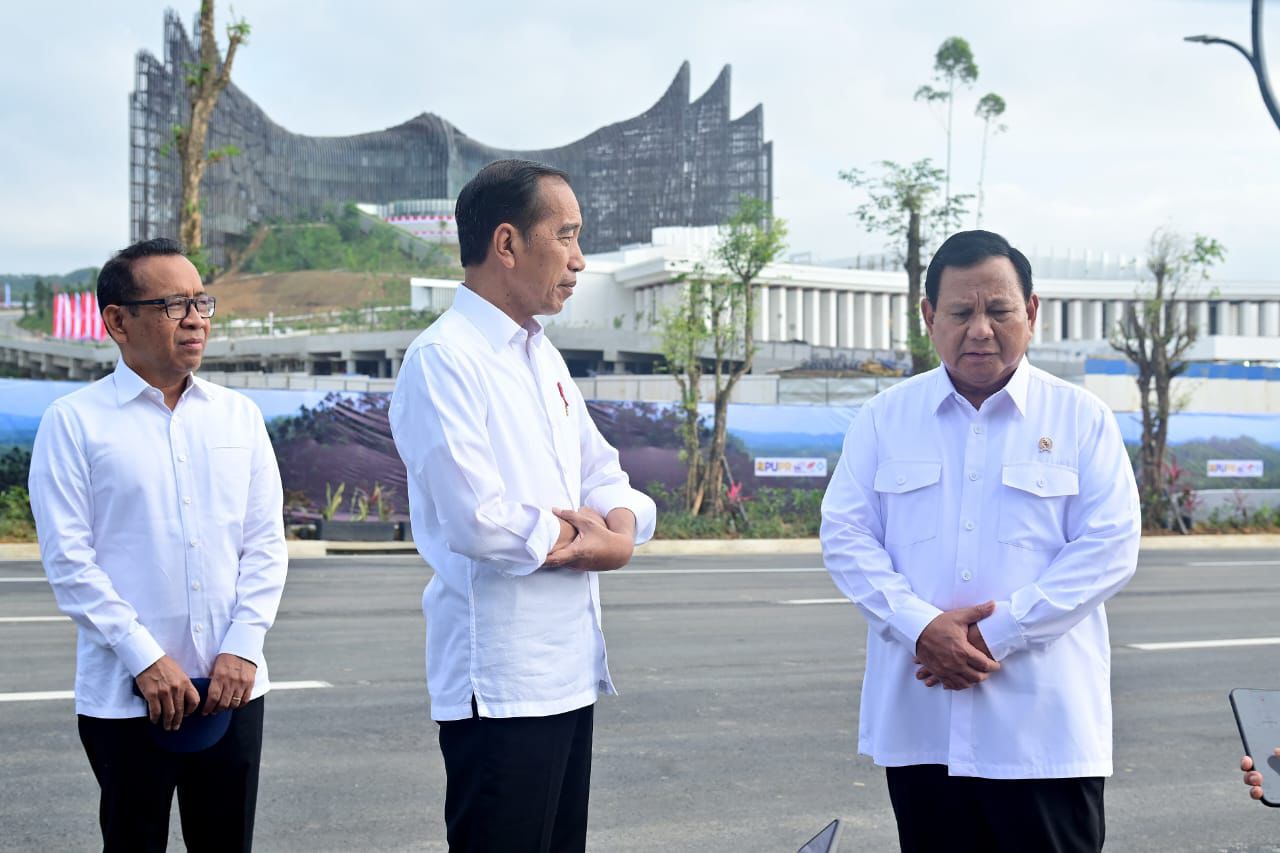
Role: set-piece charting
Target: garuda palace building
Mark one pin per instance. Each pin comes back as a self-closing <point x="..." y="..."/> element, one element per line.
<point x="679" y="163"/>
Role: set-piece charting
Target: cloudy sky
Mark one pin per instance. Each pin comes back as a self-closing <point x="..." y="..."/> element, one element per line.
<point x="1115" y="126"/>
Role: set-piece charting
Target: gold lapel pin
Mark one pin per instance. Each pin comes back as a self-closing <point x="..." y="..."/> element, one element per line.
<point x="1046" y="444"/>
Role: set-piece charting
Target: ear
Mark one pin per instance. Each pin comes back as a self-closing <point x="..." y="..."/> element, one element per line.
<point x="926" y="309"/>
<point x="1033" y="311"/>
<point x="113" y="321"/>
<point x="503" y="245"/>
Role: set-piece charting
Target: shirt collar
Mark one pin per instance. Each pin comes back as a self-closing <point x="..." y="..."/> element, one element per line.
<point x="1015" y="388"/>
<point x="129" y="385"/>
<point x="496" y="327"/>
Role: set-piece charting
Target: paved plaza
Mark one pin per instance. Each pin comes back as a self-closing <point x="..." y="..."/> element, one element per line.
<point x="735" y="730"/>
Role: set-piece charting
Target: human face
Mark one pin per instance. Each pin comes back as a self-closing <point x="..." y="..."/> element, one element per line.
<point x="981" y="325"/>
<point x="548" y="258"/>
<point x="162" y="351"/>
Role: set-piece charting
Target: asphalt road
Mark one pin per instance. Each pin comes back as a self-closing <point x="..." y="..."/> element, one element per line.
<point x="735" y="730"/>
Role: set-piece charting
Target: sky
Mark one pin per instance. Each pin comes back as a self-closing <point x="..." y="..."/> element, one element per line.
<point x="1115" y="125"/>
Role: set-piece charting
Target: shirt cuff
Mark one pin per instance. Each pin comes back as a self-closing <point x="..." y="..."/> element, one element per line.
<point x="910" y="619"/>
<point x="539" y="545"/>
<point x="607" y="498"/>
<point x="138" y="650"/>
<point x="1002" y="632"/>
<point x="244" y="641"/>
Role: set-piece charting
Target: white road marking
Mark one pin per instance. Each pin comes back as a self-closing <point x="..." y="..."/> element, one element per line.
<point x="815" y="601"/>
<point x="35" y="618"/>
<point x="1237" y="563"/>
<point x="24" y="580"/>
<point x="47" y="695"/>
<point x="1206" y="644"/>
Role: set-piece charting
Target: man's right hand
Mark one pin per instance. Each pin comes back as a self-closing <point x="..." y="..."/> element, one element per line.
<point x="598" y="547"/>
<point x="169" y="694"/>
<point x="948" y="653"/>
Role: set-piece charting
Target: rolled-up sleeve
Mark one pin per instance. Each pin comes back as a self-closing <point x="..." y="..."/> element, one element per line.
<point x="264" y="556"/>
<point x="852" y="535"/>
<point x="62" y="504"/>
<point x="1103" y="531"/>
<point x="437" y="418"/>
<point x="605" y="486"/>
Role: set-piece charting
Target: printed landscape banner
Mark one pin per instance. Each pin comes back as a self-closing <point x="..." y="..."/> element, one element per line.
<point x="323" y="439"/>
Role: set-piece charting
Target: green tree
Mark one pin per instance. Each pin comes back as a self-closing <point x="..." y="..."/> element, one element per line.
<point x="901" y="205"/>
<point x="990" y="107"/>
<point x="1155" y="334"/>
<point x="205" y="80"/>
<point x="715" y="320"/>
<point x="952" y="64"/>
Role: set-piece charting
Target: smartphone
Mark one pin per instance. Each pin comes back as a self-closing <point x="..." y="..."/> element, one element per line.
<point x="1258" y="719"/>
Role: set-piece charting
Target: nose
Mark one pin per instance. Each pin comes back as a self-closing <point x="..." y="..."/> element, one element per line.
<point x="192" y="318"/>
<point x="980" y="326"/>
<point x="577" y="261"/>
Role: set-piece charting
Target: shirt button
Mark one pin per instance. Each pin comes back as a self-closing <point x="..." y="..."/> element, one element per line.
<point x="1040" y="483"/>
<point x="969" y="525"/>
<point x="901" y="480"/>
<point x="186" y="501"/>
<point x="199" y="627"/>
<point x="195" y="585"/>
<point x="966" y="576"/>
<point x="195" y="542"/>
<point x="182" y="458"/>
<point x="973" y="475"/>
<point x="977" y="429"/>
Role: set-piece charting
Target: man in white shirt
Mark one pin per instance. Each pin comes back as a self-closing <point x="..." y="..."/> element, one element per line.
<point x="980" y="515"/>
<point x="158" y="507"/>
<point x="499" y="449"/>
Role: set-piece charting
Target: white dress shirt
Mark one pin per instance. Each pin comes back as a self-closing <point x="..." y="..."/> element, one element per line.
<point x="494" y="434"/>
<point x="1029" y="501"/>
<point x="161" y="531"/>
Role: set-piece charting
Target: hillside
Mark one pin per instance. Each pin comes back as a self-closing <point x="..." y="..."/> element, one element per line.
<point x="346" y="260"/>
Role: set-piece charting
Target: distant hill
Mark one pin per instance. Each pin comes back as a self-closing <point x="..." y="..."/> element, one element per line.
<point x="20" y="283"/>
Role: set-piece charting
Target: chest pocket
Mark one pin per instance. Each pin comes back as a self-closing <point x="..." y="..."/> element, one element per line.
<point x="909" y="498"/>
<point x="1033" y="504"/>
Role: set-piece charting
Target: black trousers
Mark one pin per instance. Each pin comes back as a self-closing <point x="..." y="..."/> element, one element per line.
<point x="217" y="788"/>
<point x="937" y="812"/>
<point x="517" y="785"/>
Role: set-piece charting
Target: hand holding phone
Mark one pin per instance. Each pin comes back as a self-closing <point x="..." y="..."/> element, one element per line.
<point x="1257" y="715"/>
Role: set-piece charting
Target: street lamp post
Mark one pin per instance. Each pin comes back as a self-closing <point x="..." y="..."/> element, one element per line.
<point x="1257" y="59"/>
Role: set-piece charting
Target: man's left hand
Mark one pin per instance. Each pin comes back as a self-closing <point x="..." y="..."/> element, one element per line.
<point x="601" y="545"/>
<point x="230" y="684"/>
<point x="975" y="639"/>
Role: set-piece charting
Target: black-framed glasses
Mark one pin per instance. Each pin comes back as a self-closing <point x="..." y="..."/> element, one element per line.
<point x="177" y="307"/>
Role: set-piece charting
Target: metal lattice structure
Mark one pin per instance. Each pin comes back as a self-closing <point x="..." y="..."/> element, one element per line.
<point x="678" y="163"/>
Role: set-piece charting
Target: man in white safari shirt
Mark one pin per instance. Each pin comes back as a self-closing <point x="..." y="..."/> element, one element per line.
<point x="980" y="515"/>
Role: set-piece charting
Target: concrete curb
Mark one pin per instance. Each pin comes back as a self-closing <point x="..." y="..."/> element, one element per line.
<point x="313" y="548"/>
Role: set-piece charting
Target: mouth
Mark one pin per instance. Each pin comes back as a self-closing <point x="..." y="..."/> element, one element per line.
<point x="193" y="344"/>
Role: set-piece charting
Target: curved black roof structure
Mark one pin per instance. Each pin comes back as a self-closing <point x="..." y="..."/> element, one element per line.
<point x="678" y="163"/>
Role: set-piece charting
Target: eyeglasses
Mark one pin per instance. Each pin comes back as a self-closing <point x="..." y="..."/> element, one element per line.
<point x="177" y="307"/>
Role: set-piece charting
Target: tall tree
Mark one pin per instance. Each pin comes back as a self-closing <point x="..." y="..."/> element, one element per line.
<point x="716" y="318"/>
<point x="1155" y="334"/>
<point x="990" y="107"/>
<point x="901" y="205"/>
<point x="205" y="79"/>
<point x="952" y="64"/>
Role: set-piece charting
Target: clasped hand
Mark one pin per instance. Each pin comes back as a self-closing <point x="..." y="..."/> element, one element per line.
<point x="170" y="695"/>
<point x="951" y="651"/>
<point x="599" y="545"/>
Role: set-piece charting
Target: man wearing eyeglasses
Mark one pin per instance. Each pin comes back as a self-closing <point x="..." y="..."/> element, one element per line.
<point x="158" y="506"/>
